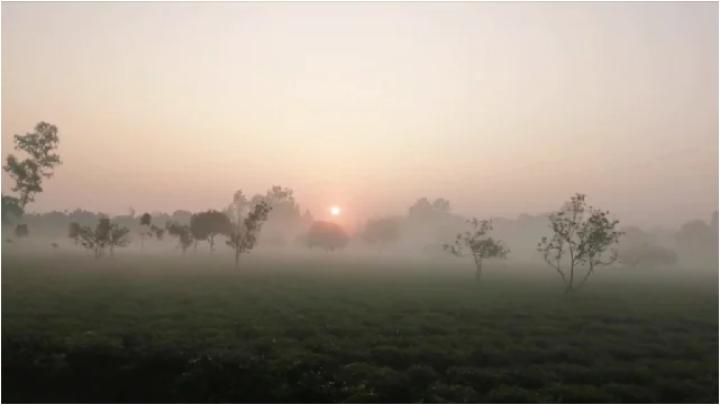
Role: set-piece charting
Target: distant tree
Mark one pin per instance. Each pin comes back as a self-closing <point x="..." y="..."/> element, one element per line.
<point x="381" y="232"/>
<point x="243" y="236"/>
<point x="238" y="207"/>
<point x="182" y="232"/>
<point x="647" y="255"/>
<point x="424" y="211"/>
<point x="105" y="235"/>
<point x="181" y="216"/>
<point x="326" y="235"/>
<point x="28" y="174"/>
<point x="207" y="225"/>
<point x="285" y="220"/>
<point x="11" y="209"/>
<point x="74" y="232"/>
<point x="145" y="219"/>
<point x="583" y="235"/>
<point x="697" y="238"/>
<point x="476" y="243"/>
<point x="22" y="231"/>
<point x="637" y="248"/>
<point x="157" y="232"/>
<point x="117" y="237"/>
<point x="145" y="231"/>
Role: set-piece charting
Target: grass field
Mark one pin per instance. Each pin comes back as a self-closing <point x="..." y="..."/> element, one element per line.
<point x="160" y="329"/>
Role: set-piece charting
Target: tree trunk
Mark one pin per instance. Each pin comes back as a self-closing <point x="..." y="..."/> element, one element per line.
<point x="212" y="243"/>
<point x="571" y="280"/>
<point x="237" y="258"/>
<point x="478" y="269"/>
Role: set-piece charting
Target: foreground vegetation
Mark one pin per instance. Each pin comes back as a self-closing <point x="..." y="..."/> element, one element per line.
<point x="155" y="329"/>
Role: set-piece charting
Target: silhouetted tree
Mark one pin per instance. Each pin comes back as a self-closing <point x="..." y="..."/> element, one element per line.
<point x="476" y="243"/>
<point x="582" y="234"/>
<point x="207" y="225"/>
<point x="28" y="174"/>
<point x="244" y="233"/>
<point x="326" y="235"/>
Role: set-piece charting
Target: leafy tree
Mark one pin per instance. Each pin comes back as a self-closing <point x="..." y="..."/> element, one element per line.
<point x="476" y="243"/>
<point x="22" y="231"/>
<point x="105" y="235"/>
<point x="326" y="235"/>
<point x="244" y="234"/>
<point x="182" y="232"/>
<point x="207" y="225"/>
<point x="383" y="231"/>
<point x="28" y="174"/>
<point x="583" y="235"/>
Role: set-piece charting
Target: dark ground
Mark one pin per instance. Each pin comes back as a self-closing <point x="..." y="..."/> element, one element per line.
<point x="161" y="329"/>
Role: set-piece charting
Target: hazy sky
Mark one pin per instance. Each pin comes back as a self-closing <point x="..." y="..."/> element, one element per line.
<point x="500" y="108"/>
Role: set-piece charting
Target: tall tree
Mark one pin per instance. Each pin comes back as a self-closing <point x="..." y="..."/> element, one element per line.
<point x="583" y="236"/>
<point x="28" y="173"/>
<point x="476" y="243"/>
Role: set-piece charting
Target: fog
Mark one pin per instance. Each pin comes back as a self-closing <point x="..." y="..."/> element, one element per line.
<point x="315" y="202"/>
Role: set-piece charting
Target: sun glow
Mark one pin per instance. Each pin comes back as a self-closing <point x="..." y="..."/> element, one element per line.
<point x="335" y="210"/>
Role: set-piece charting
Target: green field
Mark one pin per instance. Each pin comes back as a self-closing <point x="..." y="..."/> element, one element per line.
<point x="192" y="329"/>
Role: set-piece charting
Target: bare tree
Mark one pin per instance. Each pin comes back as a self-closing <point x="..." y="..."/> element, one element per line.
<point x="582" y="236"/>
<point x="243" y="236"/>
<point x="477" y="244"/>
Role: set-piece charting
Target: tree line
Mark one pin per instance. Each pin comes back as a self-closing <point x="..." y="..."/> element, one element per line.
<point x="581" y="240"/>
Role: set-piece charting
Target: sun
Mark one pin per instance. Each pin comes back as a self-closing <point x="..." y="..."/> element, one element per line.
<point x="335" y="210"/>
